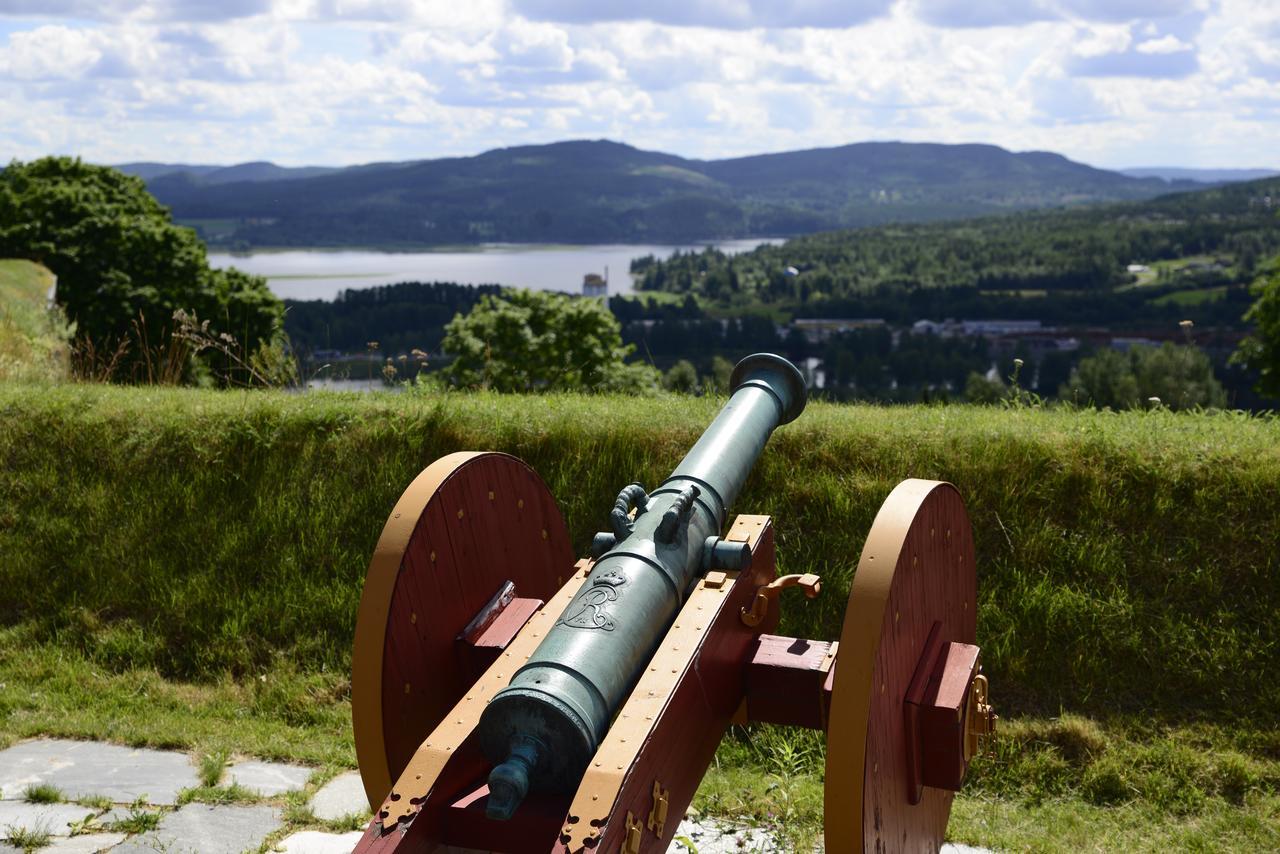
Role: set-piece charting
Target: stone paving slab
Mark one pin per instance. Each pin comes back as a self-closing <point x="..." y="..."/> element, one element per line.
<point x="89" y="844"/>
<point x="340" y="797"/>
<point x="268" y="778"/>
<point x="84" y="768"/>
<point x="716" y="837"/>
<point x="53" y="818"/>
<point x="315" y="842"/>
<point x="205" y="829"/>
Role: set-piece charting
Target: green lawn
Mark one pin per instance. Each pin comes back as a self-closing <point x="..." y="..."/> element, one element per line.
<point x="23" y="281"/>
<point x="1193" y="296"/>
<point x="33" y="339"/>
<point x="182" y="568"/>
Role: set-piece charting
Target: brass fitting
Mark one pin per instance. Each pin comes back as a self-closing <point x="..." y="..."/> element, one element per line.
<point x="810" y="583"/>
<point x="980" y="717"/>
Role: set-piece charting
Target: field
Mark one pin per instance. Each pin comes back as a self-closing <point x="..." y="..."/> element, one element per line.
<point x="182" y="568"/>
<point x="33" y="340"/>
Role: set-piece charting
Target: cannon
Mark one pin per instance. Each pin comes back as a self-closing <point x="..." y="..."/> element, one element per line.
<point x="508" y="698"/>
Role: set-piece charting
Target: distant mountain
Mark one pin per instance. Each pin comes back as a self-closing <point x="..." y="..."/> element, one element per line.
<point x="1207" y="176"/>
<point x="601" y="191"/>
<point x="204" y="175"/>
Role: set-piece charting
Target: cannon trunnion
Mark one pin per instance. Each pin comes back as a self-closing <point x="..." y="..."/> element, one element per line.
<point x="506" y="698"/>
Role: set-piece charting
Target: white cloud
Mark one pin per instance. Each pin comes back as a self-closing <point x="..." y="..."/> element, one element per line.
<point x="1165" y="44"/>
<point x="50" y="52"/>
<point x="342" y="81"/>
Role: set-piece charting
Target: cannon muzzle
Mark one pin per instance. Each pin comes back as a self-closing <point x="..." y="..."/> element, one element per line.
<point x="543" y="728"/>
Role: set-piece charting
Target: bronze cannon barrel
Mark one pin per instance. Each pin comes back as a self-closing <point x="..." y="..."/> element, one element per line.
<point x="544" y="727"/>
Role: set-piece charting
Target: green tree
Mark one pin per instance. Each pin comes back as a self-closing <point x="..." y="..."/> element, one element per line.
<point x="981" y="389"/>
<point x="682" y="378"/>
<point x="1180" y="376"/>
<point x="123" y="266"/>
<point x="537" y="341"/>
<point x="721" y="373"/>
<point x="1105" y="379"/>
<point x="1261" y="350"/>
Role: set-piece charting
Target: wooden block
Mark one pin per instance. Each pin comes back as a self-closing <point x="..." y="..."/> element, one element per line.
<point x="786" y="679"/>
<point x="934" y="712"/>
<point x="483" y="647"/>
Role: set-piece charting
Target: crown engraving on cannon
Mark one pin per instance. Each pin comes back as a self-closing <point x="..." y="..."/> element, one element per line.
<point x="588" y="611"/>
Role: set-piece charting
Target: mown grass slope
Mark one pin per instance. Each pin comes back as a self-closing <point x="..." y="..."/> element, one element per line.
<point x="1125" y="561"/>
<point x="33" y="339"/>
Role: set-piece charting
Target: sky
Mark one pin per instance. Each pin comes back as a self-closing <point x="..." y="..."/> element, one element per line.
<point x="1114" y="83"/>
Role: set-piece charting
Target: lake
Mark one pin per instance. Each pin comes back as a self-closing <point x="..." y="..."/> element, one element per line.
<point x="321" y="274"/>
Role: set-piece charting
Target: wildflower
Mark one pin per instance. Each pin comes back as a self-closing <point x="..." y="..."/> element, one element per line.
<point x="1018" y="363"/>
<point x="1154" y="401"/>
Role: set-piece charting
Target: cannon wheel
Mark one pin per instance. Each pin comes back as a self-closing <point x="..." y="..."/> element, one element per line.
<point x="467" y="524"/>
<point x="917" y="567"/>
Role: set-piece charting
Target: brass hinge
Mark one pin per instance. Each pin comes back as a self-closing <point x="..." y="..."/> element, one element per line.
<point x="631" y="845"/>
<point x="658" y="815"/>
<point x="980" y="717"/>
<point x="767" y="593"/>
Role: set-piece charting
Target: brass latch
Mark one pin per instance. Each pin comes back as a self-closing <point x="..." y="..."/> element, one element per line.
<point x="811" y="584"/>
<point x="980" y="717"/>
<point x="631" y="845"/>
<point x="658" y="815"/>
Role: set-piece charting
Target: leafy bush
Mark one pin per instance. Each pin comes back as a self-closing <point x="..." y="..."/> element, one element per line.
<point x="537" y="341"/>
<point x="123" y="267"/>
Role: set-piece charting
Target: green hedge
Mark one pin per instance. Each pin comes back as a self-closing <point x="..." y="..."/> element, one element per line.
<point x="1126" y="561"/>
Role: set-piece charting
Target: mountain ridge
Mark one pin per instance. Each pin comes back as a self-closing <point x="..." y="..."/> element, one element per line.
<point x="595" y="191"/>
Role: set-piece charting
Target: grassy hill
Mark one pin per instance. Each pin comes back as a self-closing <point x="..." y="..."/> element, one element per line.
<point x="33" y="339"/>
<point x="584" y="191"/>
<point x="183" y="567"/>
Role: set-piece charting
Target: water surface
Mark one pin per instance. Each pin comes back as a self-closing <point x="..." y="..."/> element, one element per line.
<point x="322" y="274"/>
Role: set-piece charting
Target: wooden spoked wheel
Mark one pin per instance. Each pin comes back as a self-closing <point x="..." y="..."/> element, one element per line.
<point x="917" y="569"/>
<point x="466" y="525"/>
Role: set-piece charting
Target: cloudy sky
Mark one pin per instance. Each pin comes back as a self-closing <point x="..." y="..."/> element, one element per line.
<point x="1111" y="82"/>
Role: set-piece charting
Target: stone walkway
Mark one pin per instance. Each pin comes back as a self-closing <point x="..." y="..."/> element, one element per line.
<point x="103" y="797"/>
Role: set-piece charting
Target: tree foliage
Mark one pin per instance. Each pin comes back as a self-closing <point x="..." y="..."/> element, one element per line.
<point x="1065" y="253"/>
<point x="1179" y="377"/>
<point x="1261" y="351"/>
<point x="682" y="378"/>
<point x="533" y="341"/>
<point x="123" y="267"/>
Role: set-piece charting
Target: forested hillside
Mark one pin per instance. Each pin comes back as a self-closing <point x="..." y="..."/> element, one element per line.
<point x="585" y="192"/>
<point x="1220" y="234"/>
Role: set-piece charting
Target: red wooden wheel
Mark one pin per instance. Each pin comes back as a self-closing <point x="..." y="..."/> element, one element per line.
<point x="917" y="569"/>
<point x="468" y="523"/>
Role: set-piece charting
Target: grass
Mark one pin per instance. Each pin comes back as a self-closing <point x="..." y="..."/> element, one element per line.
<point x="139" y="820"/>
<point x="183" y="569"/>
<point x="25" y="838"/>
<point x="42" y="794"/>
<point x="34" y="340"/>
<point x="1193" y="296"/>
<point x="211" y="766"/>
<point x="1126" y="561"/>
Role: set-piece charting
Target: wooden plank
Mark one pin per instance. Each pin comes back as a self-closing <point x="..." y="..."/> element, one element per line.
<point x="668" y="730"/>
